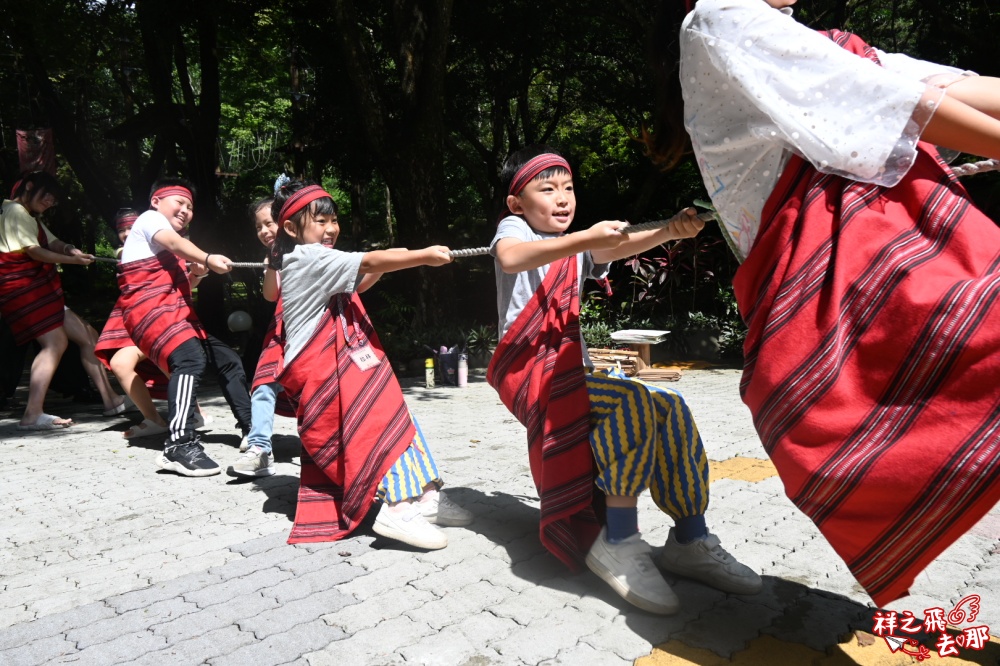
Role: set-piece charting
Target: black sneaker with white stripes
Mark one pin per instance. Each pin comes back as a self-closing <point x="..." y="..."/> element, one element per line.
<point x="188" y="459"/>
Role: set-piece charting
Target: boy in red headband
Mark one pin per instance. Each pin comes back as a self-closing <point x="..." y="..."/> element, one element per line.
<point x="640" y="436"/>
<point x="159" y="316"/>
<point x="139" y="376"/>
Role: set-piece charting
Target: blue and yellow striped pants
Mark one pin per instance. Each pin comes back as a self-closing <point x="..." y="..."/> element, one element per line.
<point x="644" y="436"/>
<point x="413" y="470"/>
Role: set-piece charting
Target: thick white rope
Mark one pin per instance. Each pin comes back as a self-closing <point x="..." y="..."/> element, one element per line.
<point x="976" y="167"/>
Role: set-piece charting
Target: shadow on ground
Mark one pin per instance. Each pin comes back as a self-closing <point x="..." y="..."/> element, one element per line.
<point x="709" y="619"/>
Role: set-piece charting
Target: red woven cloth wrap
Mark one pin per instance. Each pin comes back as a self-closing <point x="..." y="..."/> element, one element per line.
<point x="353" y="424"/>
<point x="872" y="360"/>
<point x="538" y="371"/>
<point x="156" y="306"/>
<point x="31" y="295"/>
<point x="270" y="360"/>
<point x="115" y="337"/>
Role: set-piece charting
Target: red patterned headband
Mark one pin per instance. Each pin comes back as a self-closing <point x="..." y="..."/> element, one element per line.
<point x="125" y="221"/>
<point x="535" y="166"/>
<point x="299" y="200"/>
<point x="172" y="191"/>
<point x="16" y="185"/>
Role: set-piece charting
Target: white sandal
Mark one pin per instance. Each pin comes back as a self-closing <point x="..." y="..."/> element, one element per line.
<point x="147" y="428"/>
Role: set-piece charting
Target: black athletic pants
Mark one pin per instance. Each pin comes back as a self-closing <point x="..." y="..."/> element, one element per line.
<point x="187" y="364"/>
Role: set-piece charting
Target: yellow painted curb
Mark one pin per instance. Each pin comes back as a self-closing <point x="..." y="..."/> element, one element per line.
<point x="741" y="469"/>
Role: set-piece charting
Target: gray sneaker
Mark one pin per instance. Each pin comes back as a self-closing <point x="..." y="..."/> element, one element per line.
<point x="628" y="568"/>
<point x="706" y="560"/>
<point x="252" y="463"/>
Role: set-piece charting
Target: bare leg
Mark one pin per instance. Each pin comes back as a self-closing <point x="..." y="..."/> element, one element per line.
<point x="621" y="501"/>
<point x="42" y="369"/>
<point x="84" y="335"/>
<point x="123" y="364"/>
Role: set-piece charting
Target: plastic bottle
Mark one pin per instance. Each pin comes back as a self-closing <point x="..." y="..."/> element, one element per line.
<point x="463" y="370"/>
<point x="429" y="372"/>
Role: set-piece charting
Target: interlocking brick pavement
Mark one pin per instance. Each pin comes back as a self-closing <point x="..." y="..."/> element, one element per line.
<point x="104" y="559"/>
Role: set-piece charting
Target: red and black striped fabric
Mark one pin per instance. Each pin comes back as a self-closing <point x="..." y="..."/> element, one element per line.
<point x="270" y="361"/>
<point x="31" y="295"/>
<point x="872" y="360"/>
<point x="538" y="371"/>
<point x="353" y="424"/>
<point x="114" y="337"/>
<point x="156" y="305"/>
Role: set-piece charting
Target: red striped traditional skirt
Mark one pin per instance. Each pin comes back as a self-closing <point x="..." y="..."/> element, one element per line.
<point x="31" y="296"/>
<point x="538" y="371"/>
<point x="115" y="337"/>
<point x="872" y="362"/>
<point x="270" y="361"/>
<point x="157" y="308"/>
<point x="353" y="423"/>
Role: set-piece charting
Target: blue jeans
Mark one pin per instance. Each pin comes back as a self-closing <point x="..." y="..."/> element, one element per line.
<point x="262" y="413"/>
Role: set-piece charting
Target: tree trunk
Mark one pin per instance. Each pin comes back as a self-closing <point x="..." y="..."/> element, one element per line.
<point x="406" y="137"/>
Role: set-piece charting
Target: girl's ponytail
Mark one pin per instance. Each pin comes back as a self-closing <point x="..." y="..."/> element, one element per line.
<point x="283" y="243"/>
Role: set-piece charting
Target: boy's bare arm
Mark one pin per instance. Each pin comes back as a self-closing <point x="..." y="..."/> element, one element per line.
<point x="187" y="250"/>
<point x="684" y="224"/>
<point x="516" y="256"/>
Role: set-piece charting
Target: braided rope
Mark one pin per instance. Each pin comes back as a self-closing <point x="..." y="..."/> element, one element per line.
<point x="470" y="252"/>
<point x="976" y="167"/>
<point x="480" y="251"/>
<point x="657" y="224"/>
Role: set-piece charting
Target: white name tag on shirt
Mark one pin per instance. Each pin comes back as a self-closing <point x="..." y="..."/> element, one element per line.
<point x="364" y="357"/>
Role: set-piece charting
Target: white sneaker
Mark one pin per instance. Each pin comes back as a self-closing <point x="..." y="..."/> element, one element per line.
<point x="438" y="509"/>
<point x="244" y="444"/>
<point x="252" y="463"/>
<point x="706" y="560"/>
<point x="628" y="568"/>
<point x="408" y="526"/>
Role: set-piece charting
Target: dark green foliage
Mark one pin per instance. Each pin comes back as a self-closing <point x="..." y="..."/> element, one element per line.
<point x="406" y="112"/>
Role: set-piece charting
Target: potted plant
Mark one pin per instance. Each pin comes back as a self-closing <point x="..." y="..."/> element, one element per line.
<point x="701" y="336"/>
<point x="481" y="341"/>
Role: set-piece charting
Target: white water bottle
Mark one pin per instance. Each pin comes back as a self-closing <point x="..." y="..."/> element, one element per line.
<point x="463" y="370"/>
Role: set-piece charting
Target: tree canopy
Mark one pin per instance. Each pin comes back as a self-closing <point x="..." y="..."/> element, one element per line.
<point x="405" y="109"/>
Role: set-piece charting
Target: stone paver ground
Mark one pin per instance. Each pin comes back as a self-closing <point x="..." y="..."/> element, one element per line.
<point x="105" y="560"/>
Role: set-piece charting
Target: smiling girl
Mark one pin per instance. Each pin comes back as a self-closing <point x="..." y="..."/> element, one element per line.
<point x="359" y="439"/>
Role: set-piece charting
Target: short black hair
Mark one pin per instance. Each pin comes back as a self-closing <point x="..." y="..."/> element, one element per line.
<point x="521" y="157"/>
